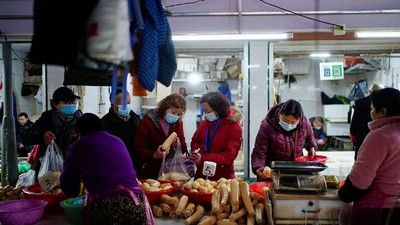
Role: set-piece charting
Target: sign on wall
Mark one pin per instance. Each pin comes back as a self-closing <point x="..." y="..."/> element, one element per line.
<point x="331" y="71"/>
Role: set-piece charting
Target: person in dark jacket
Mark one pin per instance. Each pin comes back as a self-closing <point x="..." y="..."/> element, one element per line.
<point x="56" y="124"/>
<point x="23" y="124"/>
<point x="317" y="124"/>
<point x="122" y="122"/>
<point x="361" y="117"/>
<point x="281" y="137"/>
<point x="153" y="130"/>
<point x="218" y="138"/>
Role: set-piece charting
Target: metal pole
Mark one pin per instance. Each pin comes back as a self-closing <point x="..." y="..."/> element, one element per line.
<point x="9" y="162"/>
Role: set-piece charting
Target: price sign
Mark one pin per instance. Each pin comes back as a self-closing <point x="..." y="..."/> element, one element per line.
<point x="49" y="180"/>
<point x="209" y="168"/>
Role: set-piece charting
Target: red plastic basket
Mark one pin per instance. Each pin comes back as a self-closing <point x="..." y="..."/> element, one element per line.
<point x="258" y="186"/>
<point x="53" y="200"/>
<point x="203" y="199"/>
<point x="317" y="158"/>
<point x="154" y="196"/>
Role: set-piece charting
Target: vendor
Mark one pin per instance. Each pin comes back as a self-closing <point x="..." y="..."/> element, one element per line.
<point x="373" y="183"/>
<point x="218" y="138"/>
<point x="102" y="161"/>
<point x="318" y="130"/>
<point x="153" y="130"/>
<point x="281" y="137"/>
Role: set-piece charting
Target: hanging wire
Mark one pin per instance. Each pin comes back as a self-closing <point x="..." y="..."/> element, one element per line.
<point x="299" y="14"/>
<point x="185" y="3"/>
<point x="16" y="54"/>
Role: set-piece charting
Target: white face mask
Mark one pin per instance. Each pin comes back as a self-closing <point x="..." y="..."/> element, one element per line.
<point x="211" y="116"/>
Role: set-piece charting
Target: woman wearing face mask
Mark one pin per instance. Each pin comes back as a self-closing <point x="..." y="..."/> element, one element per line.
<point x="153" y="130"/>
<point x="318" y="130"/>
<point x="56" y="124"/>
<point x="281" y="137"/>
<point x="218" y="138"/>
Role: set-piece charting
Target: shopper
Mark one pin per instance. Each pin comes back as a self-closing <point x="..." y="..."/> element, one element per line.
<point x="102" y="161"/>
<point x="23" y="124"/>
<point x="361" y="117"/>
<point x="122" y="122"/>
<point x="56" y="124"/>
<point x="218" y="138"/>
<point x="373" y="183"/>
<point x="153" y="130"/>
<point x="318" y="130"/>
<point x="281" y="137"/>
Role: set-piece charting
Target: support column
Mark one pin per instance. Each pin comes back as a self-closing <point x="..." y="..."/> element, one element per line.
<point x="9" y="162"/>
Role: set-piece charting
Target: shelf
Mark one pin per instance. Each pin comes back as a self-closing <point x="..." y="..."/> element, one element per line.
<point x="149" y="106"/>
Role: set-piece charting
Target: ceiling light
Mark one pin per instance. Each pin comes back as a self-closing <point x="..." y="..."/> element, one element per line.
<point x="320" y="55"/>
<point x="232" y="37"/>
<point x="382" y="34"/>
<point x="194" y="78"/>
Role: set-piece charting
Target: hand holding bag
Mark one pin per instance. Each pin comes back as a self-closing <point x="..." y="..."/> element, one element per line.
<point x="50" y="170"/>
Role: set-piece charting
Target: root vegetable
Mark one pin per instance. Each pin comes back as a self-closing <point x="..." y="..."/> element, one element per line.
<point x="165" y="207"/>
<point x="188" y="185"/>
<point x="189" y="210"/>
<point x="215" y="199"/>
<point x="244" y="190"/>
<point x="173" y="214"/>
<point x="250" y="220"/>
<point x="196" y="215"/>
<point x="168" y="142"/>
<point x="234" y="195"/>
<point x="224" y="195"/>
<point x="237" y="215"/>
<point x="182" y="204"/>
<point x="211" y="220"/>
<point x="226" y="222"/>
<point x="267" y="172"/>
<point x="157" y="211"/>
<point x="168" y="199"/>
<point x="223" y="216"/>
<point x="260" y="213"/>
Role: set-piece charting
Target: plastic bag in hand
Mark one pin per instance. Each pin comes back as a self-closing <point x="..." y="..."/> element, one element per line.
<point x="26" y="179"/>
<point x="173" y="167"/>
<point x="50" y="170"/>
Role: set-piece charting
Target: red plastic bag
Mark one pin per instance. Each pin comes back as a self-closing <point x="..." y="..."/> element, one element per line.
<point x="32" y="156"/>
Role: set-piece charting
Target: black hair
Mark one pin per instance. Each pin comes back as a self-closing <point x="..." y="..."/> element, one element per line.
<point x="24" y="114"/>
<point x="116" y="93"/>
<point x="218" y="102"/>
<point x="88" y="123"/>
<point x="292" y="108"/>
<point x="319" y="119"/>
<point x="388" y="98"/>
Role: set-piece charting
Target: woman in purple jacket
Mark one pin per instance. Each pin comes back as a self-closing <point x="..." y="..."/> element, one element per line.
<point x="281" y="137"/>
<point x="102" y="161"/>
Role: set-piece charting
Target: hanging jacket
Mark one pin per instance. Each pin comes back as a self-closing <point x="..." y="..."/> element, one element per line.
<point x="150" y="135"/>
<point x="273" y="143"/>
<point x="224" y="147"/>
<point x="157" y="59"/>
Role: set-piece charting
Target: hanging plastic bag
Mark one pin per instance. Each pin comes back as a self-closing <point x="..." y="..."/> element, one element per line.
<point x="50" y="170"/>
<point x="174" y="168"/>
<point x="26" y="179"/>
<point x="108" y="32"/>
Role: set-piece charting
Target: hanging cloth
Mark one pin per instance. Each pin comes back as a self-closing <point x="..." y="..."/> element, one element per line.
<point x="157" y="59"/>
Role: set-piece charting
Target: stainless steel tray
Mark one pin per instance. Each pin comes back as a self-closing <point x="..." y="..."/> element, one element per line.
<point x="297" y="166"/>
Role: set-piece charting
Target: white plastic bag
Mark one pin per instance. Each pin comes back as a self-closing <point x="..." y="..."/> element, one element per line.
<point x="108" y="32"/>
<point x="174" y="168"/>
<point x="50" y="170"/>
<point x="26" y="179"/>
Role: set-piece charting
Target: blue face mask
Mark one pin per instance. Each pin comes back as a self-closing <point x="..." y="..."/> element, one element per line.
<point x="211" y="116"/>
<point x="126" y="111"/>
<point x="171" y="118"/>
<point x="317" y="128"/>
<point x="68" y="110"/>
<point x="286" y="126"/>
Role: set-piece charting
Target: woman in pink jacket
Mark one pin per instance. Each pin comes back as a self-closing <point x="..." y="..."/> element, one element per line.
<point x="373" y="184"/>
<point x="218" y="138"/>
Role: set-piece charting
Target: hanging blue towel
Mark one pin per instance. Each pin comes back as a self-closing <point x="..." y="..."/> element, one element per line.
<point x="224" y="89"/>
<point x="157" y="55"/>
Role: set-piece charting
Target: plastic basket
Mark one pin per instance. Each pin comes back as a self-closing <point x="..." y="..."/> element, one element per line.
<point x="53" y="200"/>
<point x="203" y="199"/>
<point x="73" y="210"/>
<point x="317" y="158"/>
<point x="21" y="212"/>
<point x="154" y="196"/>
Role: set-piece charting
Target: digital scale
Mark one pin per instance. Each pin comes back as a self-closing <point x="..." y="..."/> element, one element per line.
<point x="298" y="176"/>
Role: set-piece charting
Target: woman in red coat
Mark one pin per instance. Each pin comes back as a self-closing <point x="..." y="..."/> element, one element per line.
<point x="218" y="138"/>
<point x="153" y="130"/>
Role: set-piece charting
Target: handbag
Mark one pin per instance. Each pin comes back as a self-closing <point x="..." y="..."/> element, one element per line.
<point x="26" y="89"/>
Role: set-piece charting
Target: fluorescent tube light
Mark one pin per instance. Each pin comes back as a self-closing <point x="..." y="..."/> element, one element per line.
<point x="320" y="55"/>
<point x="231" y="37"/>
<point x="381" y="34"/>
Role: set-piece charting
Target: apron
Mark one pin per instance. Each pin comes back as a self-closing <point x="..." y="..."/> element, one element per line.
<point x="120" y="190"/>
<point x="367" y="210"/>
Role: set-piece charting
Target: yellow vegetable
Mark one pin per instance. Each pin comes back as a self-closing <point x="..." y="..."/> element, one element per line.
<point x="244" y="190"/>
<point x="182" y="204"/>
<point x="168" y="142"/>
<point x="211" y="220"/>
<point x="196" y="216"/>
